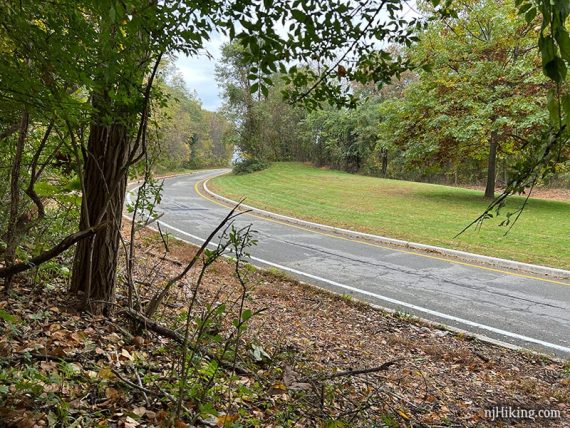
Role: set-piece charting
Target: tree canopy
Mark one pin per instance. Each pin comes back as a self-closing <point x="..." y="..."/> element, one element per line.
<point x="484" y="92"/>
<point x="86" y="72"/>
<point x="80" y="82"/>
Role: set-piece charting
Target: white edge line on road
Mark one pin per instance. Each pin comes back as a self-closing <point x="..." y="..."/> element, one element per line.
<point x="380" y="297"/>
<point x="394" y="301"/>
<point x="505" y="263"/>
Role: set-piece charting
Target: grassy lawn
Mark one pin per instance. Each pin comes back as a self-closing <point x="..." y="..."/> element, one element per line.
<point x="425" y="213"/>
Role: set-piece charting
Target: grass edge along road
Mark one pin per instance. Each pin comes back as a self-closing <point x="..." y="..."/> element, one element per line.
<point x="419" y="212"/>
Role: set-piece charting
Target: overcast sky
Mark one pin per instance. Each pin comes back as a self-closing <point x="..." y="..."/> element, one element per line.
<point x="199" y="74"/>
<point x="199" y="71"/>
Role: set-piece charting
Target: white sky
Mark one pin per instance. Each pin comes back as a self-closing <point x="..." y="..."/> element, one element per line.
<point x="199" y="73"/>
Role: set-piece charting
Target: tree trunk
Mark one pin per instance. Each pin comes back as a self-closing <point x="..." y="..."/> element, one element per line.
<point x="384" y="158"/>
<point x="12" y="232"/>
<point x="105" y="180"/>
<point x="492" y="166"/>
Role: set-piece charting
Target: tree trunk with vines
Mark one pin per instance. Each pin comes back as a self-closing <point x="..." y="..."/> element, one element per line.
<point x="105" y="180"/>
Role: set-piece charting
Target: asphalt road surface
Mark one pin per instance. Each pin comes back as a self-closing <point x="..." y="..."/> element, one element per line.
<point x="524" y="310"/>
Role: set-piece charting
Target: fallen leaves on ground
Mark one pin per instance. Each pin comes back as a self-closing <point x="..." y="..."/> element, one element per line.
<point x="297" y="350"/>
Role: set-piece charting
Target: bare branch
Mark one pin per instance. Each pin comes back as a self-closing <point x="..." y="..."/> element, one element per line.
<point x="178" y="338"/>
<point x="35" y="174"/>
<point x="382" y="367"/>
<point x="159" y="296"/>
<point x="67" y="242"/>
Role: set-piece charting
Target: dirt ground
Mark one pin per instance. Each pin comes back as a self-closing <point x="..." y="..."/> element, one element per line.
<point x="538" y="193"/>
<point x="438" y="377"/>
<point x="321" y="358"/>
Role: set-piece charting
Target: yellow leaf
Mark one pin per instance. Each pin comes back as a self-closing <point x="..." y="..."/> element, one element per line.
<point x="403" y="414"/>
<point x="278" y="388"/>
<point x="106" y="373"/>
<point x="223" y="420"/>
<point x="78" y="336"/>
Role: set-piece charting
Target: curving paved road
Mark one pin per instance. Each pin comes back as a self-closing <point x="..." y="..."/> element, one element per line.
<point x="532" y="312"/>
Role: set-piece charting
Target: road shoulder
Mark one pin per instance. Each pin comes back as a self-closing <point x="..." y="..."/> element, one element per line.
<point x="510" y="266"/>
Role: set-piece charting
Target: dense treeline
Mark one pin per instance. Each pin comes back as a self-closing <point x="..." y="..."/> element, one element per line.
<point x="268" y="126"/>
<point x="462" y="118"/>
<point x="87" y="100"/>
<point x="187" y="136"/>
<point x="484" y="91"/>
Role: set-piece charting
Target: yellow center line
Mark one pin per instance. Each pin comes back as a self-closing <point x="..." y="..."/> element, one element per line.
<point x="452" y="261"/>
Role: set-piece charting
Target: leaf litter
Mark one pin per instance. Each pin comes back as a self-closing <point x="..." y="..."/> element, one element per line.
<point x="309" y="358"/>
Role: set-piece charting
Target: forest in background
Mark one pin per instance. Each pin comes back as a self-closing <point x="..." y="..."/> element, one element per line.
<point x="464" y="118"/>
<point x="185" y="135"/>
<point x="102" y="325"/>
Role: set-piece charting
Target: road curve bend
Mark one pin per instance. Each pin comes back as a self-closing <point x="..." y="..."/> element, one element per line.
<point x="526" y="311"/>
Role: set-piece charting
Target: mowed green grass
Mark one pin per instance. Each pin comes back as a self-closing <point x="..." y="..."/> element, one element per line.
<point x="419" y="212"/>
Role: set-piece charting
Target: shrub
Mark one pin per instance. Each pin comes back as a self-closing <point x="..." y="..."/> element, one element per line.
<point x="247" y="166"/>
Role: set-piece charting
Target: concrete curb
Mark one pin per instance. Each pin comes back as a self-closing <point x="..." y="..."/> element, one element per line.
<point x="418" y="319"/>
<point x="463" y="255"/>
<point x="454" y="331"/>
